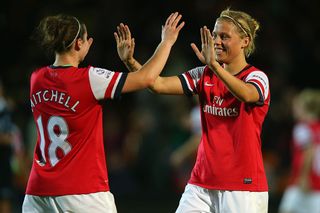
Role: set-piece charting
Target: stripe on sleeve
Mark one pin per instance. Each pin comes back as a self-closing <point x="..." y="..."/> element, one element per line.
<point x="261" y="99"/>
<point x="119" y="86"/>
<point x="261" y="81"/>
<point x="258" y="83"/>
<point x="112" y="85"/>
<point x="190" y="82"/>
<point x="114" y="88"/>
<point x="184" y="85"/>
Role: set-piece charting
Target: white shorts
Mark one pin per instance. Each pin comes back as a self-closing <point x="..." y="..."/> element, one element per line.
<point x="93" y="203"/>
<point x="198" y="199"/>
<point x="296" y="201"/>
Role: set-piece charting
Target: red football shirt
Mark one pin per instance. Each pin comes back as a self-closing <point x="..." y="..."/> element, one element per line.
<point x="69" y="154"/>
<point x="305" y="134"/>
<point x="229" y="155"/>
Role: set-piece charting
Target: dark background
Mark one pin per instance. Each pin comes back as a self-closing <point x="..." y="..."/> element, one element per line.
<point x="143" y="129"/>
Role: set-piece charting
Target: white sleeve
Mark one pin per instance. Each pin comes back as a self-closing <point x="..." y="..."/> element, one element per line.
<point x="190" y="79"/>
<point x="105" y="83"/>
<point x="302" y="135"/>
<point x="260" y="80"/>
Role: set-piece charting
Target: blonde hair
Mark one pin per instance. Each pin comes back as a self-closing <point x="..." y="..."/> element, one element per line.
<point x="246" y="25"/>
<point x="309" y="100"/>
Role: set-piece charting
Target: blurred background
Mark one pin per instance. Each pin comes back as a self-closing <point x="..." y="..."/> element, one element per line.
<point x="144" y="131"/>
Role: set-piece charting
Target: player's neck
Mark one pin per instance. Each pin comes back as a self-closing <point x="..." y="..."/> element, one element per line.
<point x="236" y="66"/>
<point x="65" y="60"/>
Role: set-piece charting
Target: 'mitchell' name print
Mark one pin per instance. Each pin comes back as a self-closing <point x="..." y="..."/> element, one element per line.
<point x="54" y="96"/>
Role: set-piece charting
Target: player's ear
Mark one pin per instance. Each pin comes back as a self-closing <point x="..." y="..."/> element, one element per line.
<point x="245" y="41"/>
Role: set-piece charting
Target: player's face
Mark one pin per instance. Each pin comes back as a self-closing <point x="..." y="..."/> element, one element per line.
<point x="227" y="42"/>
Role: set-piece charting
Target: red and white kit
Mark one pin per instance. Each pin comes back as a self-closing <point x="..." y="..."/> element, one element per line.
<point x="303" y="135"/>
<point x="69" y="153"/>
<point x="229" y="155"/>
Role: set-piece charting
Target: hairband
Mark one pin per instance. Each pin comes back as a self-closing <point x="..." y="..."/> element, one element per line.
<point x="237" y="23"/>
<point x="79" y="28"/>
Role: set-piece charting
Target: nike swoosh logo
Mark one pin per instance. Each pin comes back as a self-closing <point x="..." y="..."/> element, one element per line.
<point x="208" y="84"/>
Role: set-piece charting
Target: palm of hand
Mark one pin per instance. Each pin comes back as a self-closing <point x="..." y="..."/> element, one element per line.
<point x="208" y="53"/>
<point x="207" y="46"/>
<point x="171" y="28"/>
<point x="169" y="34"/>
<point x="125" y="50"/>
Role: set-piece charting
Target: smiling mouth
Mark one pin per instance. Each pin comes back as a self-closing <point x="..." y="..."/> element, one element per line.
<point x="219" y="51"/>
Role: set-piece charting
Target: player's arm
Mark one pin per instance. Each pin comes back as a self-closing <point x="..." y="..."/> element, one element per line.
<point x="167" y="85"/>
<point x="147" y="75"/>
<point x="245" y="92"/>
<point x="125" y="49"/>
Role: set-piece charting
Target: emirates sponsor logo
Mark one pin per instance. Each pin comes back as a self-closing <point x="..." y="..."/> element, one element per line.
<point x="215" y="108"/>
<point x="220" y="111"/>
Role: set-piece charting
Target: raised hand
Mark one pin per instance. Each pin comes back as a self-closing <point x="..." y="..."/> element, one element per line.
<point x="125" y="44"/>
<point x="171" y="29"/>
<point x="207" y="54"/>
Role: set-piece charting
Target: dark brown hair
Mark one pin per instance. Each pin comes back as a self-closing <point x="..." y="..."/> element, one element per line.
<point x="56" y="34"/>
